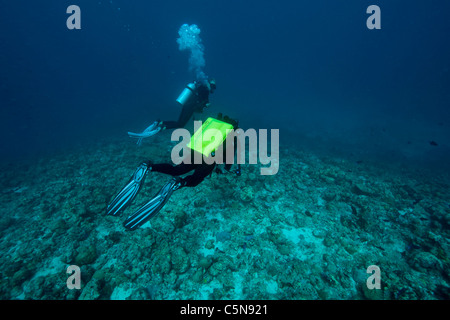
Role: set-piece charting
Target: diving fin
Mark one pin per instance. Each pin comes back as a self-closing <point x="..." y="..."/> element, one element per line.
<point x="152" y="208"/>
<point x="151" y="130"/>
<point x="124" y="198"/>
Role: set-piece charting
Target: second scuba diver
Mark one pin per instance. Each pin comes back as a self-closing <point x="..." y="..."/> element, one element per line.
<point x="194" y="98"/>
<point x="124" y="198"/>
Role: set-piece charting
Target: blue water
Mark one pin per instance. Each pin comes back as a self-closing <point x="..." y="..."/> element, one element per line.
<point x="359" y="111"/>
<point x="311" y="69"/>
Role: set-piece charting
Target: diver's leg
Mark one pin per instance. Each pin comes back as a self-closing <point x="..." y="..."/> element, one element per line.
<point x="153" y="207"/>
<point x="200" y="173"/>
<point x="173" y="170"/>
<point x="185" y="115"/>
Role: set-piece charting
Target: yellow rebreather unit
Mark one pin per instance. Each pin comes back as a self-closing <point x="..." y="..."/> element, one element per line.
<point x="209" y="136"/>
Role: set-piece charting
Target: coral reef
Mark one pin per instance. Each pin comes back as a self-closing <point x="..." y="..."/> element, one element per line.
<point x="309" y="232"/>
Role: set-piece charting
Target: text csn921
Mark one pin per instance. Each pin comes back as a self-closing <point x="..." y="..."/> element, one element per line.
<point x="245" y="309"/>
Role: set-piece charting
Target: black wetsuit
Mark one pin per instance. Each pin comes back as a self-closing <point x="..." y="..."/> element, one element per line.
<point x="201" y="171"/>
<point x="195" y="104"/>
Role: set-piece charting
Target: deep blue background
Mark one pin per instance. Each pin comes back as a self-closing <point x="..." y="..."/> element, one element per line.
<point x="311" y="69"/>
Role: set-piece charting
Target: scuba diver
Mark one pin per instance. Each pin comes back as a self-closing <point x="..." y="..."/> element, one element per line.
<point x="194" y="98"/>
<point x="200" y="171"/>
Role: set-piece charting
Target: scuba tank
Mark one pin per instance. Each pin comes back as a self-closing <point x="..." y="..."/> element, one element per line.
<point x="186" y="94"/>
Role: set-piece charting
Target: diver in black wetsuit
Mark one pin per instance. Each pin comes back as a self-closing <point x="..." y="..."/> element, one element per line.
<point x="194" y="98"/>
<point x="202" y="170"/>
<point x="151" y="208"/>
<point x="196" y="102"/>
